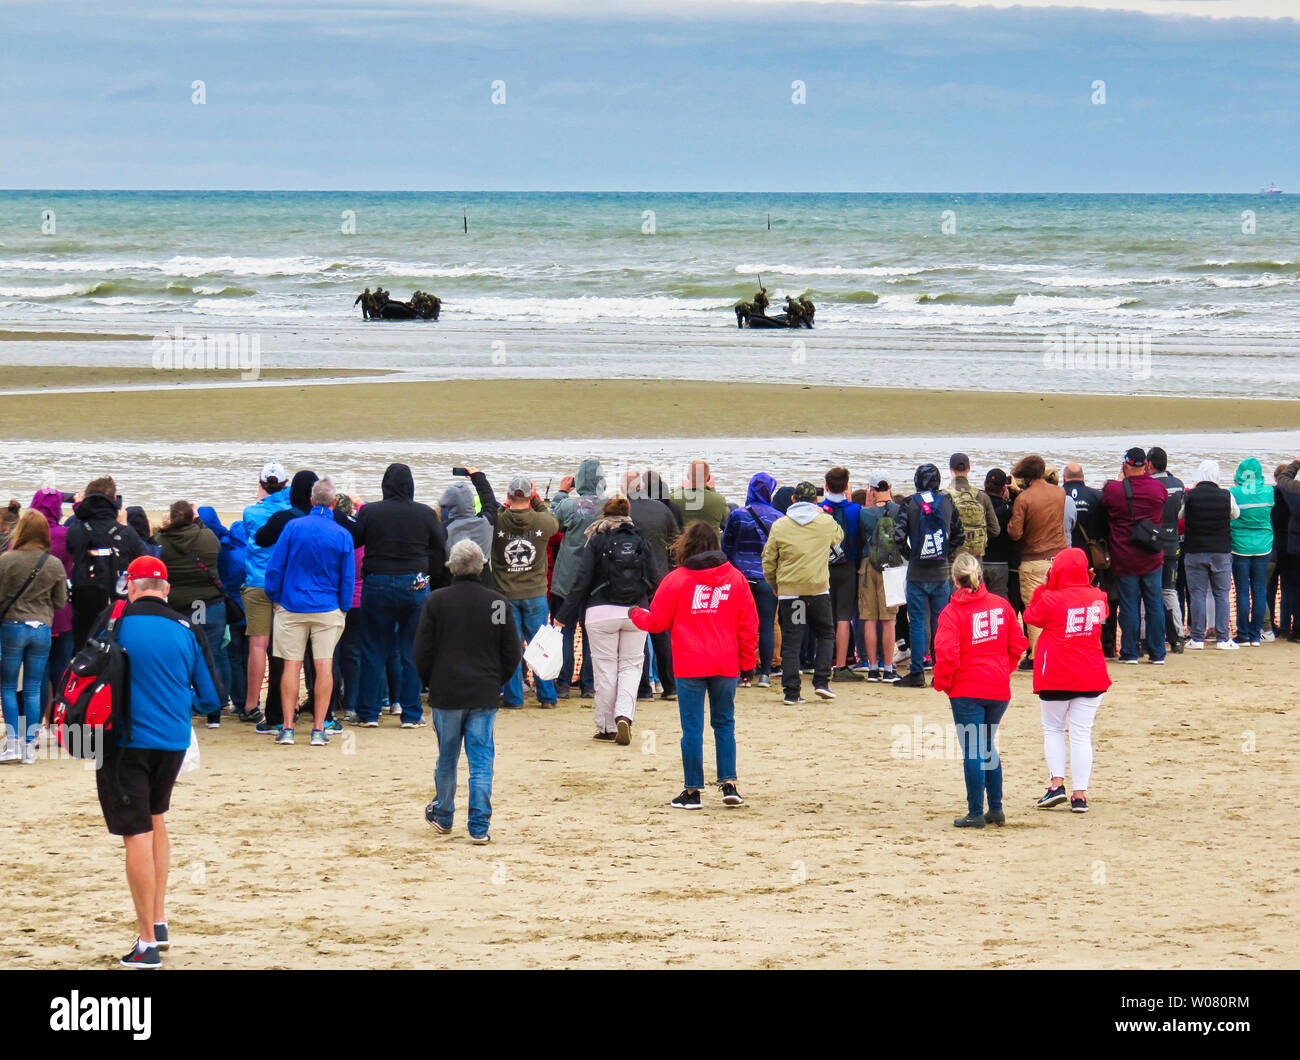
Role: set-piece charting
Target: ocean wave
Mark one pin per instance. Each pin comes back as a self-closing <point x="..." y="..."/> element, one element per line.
<point x="1231" y="265"/>
<point x="829" y="270"/>
<point x="1267" y="280"/>
<point x="969" y="298"/>
<point x="61" y="290"/>
<point x="216" y="266"/>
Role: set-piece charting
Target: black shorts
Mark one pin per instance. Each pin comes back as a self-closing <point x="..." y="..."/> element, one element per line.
<point x="134" y="786"/>
<point x="844" y="591"/>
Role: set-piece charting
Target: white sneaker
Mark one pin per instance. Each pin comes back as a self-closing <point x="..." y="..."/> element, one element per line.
<point x="1268" y="635"/>
<point x="1194" y="645"/>
<point x="11" y="753"/>
<point x="29" y="753"/>
<point x="396" y="710"/>
<point x="1228" y="645"/>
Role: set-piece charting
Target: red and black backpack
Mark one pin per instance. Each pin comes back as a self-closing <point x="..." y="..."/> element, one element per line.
<point x="95" y="695"/>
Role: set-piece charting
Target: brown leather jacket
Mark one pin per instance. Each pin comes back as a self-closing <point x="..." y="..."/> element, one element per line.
<point x="1038" y="521"/>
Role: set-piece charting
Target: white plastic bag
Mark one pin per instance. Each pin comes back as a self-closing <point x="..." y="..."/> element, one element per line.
<point x="545" y="653"/>
<point x="191" y="760"/>
<point x="895" y="579"/>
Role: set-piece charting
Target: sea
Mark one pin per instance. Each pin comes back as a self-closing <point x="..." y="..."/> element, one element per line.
<point x="1111" y="294"/>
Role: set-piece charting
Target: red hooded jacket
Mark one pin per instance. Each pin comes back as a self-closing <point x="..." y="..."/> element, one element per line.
<point x="709" y="607"/>
<point x="1070" y="612"/>
<point x="977" y="645"/>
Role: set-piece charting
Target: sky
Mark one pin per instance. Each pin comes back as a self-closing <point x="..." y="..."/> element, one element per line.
<point x="675" y="95"/>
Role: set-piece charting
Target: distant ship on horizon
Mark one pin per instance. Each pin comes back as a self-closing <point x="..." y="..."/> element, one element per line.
<point x="1272" y="189"/>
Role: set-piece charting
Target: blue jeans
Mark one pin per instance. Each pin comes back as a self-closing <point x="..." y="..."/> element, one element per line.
<point x="765" y="601"/>
<point x="214" y="631"/>
<point x="977" y="724"/>
<point x="1143" y="589"/>
<point x="1250" y="573"/>
<point x="347" y="662"/>
<point x="62" y="648"/>
<point x="473" y="728"/>
<point x="722" y="717"/>
<point x="920" y="596"/>
<point x="1207" y="571"/>
<point x="390" y="611"/>
<point x="27" y="648"/>
<point x="530" y="616"/>
<point x="237" y="659"/>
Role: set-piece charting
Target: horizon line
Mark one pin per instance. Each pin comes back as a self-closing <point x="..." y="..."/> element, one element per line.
<point x="592" y="191"/>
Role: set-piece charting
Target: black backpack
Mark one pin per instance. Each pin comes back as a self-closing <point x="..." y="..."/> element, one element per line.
<point x="100" y="564"/>
<point x="622" y="567"/>
<point x="95" y="695"/>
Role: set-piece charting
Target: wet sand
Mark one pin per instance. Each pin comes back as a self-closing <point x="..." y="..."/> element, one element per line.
<point x="843" y="856"/>
<point x="418" y="408"/>
<point x="114" y="378"/>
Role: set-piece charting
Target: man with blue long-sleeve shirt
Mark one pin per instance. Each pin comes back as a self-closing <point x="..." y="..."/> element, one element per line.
<point x="168" y="667"/>
<point x="309" y="580"/>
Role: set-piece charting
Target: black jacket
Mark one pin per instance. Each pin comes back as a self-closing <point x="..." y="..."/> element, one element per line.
<point x="589" y="582"/>
<point x="466" y="646"/>
<point x="1091" y="515"/>
<point x="299" y="504"/>
<point x="659" y="524"/>
<point x="100" y="513"/>
<point x="400" y="535"/>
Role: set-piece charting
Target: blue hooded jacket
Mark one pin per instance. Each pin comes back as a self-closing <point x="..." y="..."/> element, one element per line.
<point x="256" y="516"/>
<point x="234" y="542"/>
<point x="312" y="568"/>
<point x="743" y="539"/>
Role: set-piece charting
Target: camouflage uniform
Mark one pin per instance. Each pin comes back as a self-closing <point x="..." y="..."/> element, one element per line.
<point x="367" y="303"/>
<point x="793" y="312"/>
<point x="760" y="300"/>
<point x="809" y="310"/>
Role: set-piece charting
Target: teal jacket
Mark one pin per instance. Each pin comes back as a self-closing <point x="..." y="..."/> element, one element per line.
<point x="1252" y="533"/>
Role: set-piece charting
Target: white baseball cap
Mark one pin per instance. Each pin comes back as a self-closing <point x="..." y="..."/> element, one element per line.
<point x="273" y="470"/>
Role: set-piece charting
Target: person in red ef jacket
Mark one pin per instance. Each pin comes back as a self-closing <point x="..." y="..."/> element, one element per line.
<point x="977" y="646"/>
<point x="1069" y="671"/>
<point x="708" y="606"/>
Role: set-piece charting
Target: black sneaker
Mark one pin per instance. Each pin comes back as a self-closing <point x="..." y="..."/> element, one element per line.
<point x="607" y="737"/>
<point x="1079" y="805"/>
<point x="845" y="674"/>
<point x="687" y="800"/>
<point x="995" y="817"/>
<point x="911" y="681"/>
<point x="160" y="937"/>
<point x="252" y="716"/>
<point x="1027" y="663"/>
<point x="561" y="693"/>
<point x="971" y="820"/>
<point x="929" y="663"/>
<point x="1054" y="797"/>
<point x="667" y="695"/>
<point x="1177" y="646"/>
<point x="730" y="796"/>
<point x="793" y="701"/>
<point x="889" y="677"/>
<point x="824" y="693"/>
<point x="873" y="675"/>
<point x="135" y="959"/>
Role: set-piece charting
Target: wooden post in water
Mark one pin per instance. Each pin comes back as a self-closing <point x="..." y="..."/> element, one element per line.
<point x="769" y="222"/>
<point x="465" y="218"/>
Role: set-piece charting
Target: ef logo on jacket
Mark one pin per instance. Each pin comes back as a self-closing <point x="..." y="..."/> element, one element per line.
<point x="708" y="597"/>
<point x="986" y="625"/>
<point x="1083" y="620"/>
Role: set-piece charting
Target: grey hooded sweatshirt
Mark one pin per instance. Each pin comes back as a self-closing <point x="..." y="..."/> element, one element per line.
<point x="575" y="512"/>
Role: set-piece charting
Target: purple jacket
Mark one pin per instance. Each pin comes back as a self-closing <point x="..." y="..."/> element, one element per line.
<point x="743" y="539"/>
<point x="50" y="504"/>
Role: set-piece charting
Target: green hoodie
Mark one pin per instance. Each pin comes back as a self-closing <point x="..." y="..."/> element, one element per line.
<point x="1252" y="533"/>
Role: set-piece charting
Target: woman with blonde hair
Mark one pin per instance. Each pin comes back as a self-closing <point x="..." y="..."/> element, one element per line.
<point x="33" y="585"/>
<point x="977" y="646"/>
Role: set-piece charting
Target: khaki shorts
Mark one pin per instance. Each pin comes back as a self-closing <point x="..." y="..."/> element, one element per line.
<point x="871" y="596"/>
<point x="257" y="612"/>
<point x="293" y="629"/>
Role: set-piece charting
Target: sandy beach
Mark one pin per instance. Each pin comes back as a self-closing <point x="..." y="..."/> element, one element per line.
<point x="843" y="856"/>
<point x="401" y="408"/>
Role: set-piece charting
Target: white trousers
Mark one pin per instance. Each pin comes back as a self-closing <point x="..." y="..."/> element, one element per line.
<point x="1076" y="715"/>
<point x="617" y="654"/>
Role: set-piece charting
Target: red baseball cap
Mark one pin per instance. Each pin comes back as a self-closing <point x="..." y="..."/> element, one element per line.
<point x="146" y="567"/>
